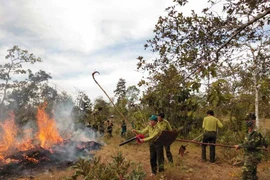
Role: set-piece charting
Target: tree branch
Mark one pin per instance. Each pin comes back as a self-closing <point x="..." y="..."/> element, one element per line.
<point x="239" y="29"/>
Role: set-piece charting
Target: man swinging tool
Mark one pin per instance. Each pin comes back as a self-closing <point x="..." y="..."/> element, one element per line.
<point x="156" y="149"/>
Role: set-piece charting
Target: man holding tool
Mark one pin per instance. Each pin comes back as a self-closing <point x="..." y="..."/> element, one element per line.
<point x="156" y="149"/>
<point x="253" y="145"/>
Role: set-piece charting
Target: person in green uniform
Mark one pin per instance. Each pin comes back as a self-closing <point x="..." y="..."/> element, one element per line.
<point x="253" y="145"/>
<point x="210" y="125"/>
<point x="163" y="124"/>
<point x="156" y="150"/>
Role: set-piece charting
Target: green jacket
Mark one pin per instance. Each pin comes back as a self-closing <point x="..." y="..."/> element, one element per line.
<point x="153" y="133"/>
<point x="253" y="142"/>
<point x="164" y="125"/>
<point x="210" y="123"/>
<point x="253" y="145"/>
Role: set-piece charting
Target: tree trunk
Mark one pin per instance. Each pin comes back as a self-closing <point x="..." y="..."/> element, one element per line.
<point x="256" y="101"/>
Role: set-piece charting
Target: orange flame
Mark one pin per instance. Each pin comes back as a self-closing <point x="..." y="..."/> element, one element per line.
<point x="31" y="159"/>
<point x="48" y="134"/>
<point x="9" y="132"/>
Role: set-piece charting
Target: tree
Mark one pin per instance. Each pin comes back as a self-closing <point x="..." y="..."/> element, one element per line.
<point x="201" y="44"/>
<point x="101" y="111"/>
<point x="120" y="91"/>
<point x="30" y="93"/>
<point x="169" y="93"/>
<point x="257" y="65"/>
<point x="9" y="70"/>
<point x="132" y="94"/>
<point x="84" y="106"/>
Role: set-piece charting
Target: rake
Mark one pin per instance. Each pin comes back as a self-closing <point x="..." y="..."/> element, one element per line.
<point x="183" y="148"/>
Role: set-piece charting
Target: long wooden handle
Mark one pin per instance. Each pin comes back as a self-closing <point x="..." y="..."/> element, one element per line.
<point x="210" y="144"/>
<point x="93" y="75"/>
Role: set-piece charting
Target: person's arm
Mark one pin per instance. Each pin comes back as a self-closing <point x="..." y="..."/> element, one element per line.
<point x="220" y="125"/>
<point x="265" y="143"/>
<point x="152" y="136"/>
<point x="203" y="124"/>
<point x="169" y="126"/>
<point x="144" y="131"/>
<point x="253" y="143"/>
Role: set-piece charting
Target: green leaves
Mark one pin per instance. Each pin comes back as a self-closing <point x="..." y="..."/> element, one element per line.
<point x="119" y="168"/>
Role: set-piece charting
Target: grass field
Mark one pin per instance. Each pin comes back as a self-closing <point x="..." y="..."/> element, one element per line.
<point x="188" y="167"/>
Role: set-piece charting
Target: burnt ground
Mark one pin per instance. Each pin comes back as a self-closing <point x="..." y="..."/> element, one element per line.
<point x="38" y="160"/>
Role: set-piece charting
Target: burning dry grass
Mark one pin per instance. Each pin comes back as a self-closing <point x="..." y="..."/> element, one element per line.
<point x="30" y="151"/>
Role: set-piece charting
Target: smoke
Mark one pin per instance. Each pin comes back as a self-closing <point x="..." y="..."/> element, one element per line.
<point x="67" y="125"/>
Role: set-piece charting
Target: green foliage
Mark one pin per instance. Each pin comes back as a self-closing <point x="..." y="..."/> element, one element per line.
<point x="101" y="111"/>
<point x="16" y="57"/>
<point x="222" y="54"/>
<point x="228" y="137"/>
<point x="171" y="94"/>
<point x="83" y="110"/>
<point x="120" y="90"/>
<point x="23" y="96"/>
<point x="117" y="169"/>
<point x="219" y="94"/>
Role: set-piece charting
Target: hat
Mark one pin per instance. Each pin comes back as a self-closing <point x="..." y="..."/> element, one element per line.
<point x="153" y="118"/>
<point x="250" y="116"/>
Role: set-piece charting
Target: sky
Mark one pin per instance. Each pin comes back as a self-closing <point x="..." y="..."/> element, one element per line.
<point x="76" y="38"/>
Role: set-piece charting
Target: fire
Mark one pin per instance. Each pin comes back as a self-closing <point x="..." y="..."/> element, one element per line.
<point x="8" y="134"/>
<point x="48" y="134"/>
<point x="31" y="159"/>
<point x="27" y="141"/>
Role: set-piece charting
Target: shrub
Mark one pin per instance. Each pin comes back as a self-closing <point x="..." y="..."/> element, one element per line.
<point x="119" y="168"/>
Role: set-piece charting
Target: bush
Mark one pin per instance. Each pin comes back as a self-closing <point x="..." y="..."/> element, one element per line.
<point x="119" y="168"/>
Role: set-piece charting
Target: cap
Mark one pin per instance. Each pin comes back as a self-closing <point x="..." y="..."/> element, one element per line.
<point x="250" y="116"/>
<point x="153" y="118"/>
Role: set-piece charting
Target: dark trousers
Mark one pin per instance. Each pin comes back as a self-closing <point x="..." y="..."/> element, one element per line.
<point x="156" y="158"/>
<point x="169" y="154"/>
<point x="209" y="137"/>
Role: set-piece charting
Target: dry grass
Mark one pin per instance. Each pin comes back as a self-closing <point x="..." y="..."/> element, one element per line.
<point x="189" y="167"/>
